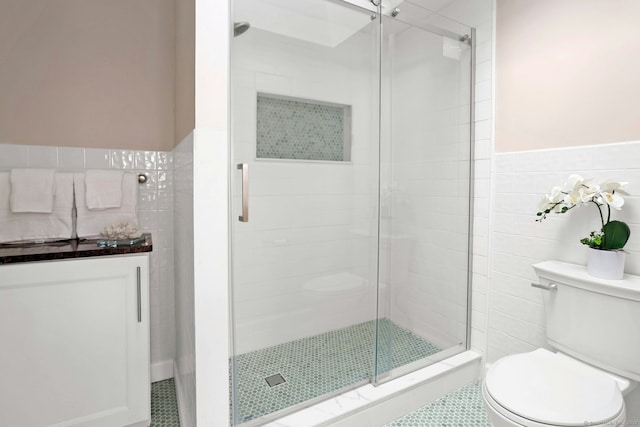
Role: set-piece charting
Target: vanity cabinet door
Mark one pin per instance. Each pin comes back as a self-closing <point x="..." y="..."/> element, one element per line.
<point x="74" y="343"/>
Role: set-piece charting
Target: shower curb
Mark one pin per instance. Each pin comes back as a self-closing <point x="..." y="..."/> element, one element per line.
<point x="370" y="406"/>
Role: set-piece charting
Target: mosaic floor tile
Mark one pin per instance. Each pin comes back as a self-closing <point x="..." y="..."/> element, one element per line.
<point x="164" y="406"/>
<point x="321" y="364"/>
<point x="461" y="408"/>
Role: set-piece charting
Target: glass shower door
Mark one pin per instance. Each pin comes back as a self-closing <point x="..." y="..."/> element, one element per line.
<point x="425" y="191"/>
<point x="304" y="93"/>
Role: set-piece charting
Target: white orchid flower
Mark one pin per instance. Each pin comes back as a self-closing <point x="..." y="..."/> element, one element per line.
<point x="587" y="194"/>
<point x="575" y="182"/>
<point x="572" y="198"/>
<point x="610" y="186"/>
<point x="544" y="203"/>
<point x="548" y="200"/>
<point x="612" y="199"/>
<point x="580" y="196"/>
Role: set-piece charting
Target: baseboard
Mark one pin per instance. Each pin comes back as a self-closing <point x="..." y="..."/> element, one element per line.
<point x="162" y="370"/>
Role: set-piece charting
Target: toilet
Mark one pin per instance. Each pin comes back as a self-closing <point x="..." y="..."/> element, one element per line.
<point x="593" y="327"/>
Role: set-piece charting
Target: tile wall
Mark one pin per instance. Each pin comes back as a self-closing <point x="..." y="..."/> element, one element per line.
<point x="480" y="15"/>
<point x="310" y="222"/>
<point x="323" y="223"/>
<point x="516" y="321"/>
<point x="185" y="372"/>
<point x="155" y="214"/>
<point x="429" y="157"/>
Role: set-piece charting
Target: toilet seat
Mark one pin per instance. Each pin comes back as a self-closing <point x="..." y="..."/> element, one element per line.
<point x="541" y="388"/>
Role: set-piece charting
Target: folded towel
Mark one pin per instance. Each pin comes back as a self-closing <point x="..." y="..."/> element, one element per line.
<point x="89" y="223"/>
<point x="32" y="190"/>
<point x="103" y="189"/>
<point x="37" y="226"/>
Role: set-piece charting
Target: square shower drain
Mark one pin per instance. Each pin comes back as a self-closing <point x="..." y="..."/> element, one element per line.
<point x="275" y="379"/>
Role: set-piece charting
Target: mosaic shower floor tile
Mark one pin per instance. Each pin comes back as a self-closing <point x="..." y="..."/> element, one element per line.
<point x="164" y="406"/>
<point x="461" y="408"/>
<point x="314" y="366"/>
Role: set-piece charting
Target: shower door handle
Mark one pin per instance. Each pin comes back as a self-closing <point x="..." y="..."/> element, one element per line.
<point x="245" y="192"/>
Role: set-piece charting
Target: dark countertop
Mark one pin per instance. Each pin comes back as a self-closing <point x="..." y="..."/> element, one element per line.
<point x="67" y="250"/>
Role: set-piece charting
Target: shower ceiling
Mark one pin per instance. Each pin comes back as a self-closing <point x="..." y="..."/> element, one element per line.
<point x="315" y="21"/>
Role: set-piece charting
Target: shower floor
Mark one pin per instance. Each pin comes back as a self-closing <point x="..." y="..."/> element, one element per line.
<point x="320" y="364"/>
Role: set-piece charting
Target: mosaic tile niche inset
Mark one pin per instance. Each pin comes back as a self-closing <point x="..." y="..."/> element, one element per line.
<point x="291" y="128"/>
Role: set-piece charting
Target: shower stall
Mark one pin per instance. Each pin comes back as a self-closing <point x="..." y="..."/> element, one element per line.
<point x="350" y="198"/>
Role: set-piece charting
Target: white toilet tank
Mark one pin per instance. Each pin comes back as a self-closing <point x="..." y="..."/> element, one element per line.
<point x="594" y="320"/>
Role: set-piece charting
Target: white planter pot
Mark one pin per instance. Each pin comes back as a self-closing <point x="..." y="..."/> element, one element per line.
<point x="605" y="264"/>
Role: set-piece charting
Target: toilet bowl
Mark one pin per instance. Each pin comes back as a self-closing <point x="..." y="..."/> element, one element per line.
<point x="542" y="389"/>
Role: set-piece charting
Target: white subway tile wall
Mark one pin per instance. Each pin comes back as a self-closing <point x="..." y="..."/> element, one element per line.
<point x="516" y="320"/>
<point x="333" y="201"/>
<point x="184" y="276"/>
<point x="308" y="220"/>
<point x="428" y="216"/>
<point x="155" y="213"/>
<point x="481" y="17"/>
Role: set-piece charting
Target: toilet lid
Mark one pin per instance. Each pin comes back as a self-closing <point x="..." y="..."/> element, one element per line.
<point x="542" y="387"/>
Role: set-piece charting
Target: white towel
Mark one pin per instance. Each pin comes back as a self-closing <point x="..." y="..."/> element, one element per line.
<point x="103" y="189"/>
<point x="37" y="226"/>
<point x="90" y="223"/>
<point x="32" y="190"/>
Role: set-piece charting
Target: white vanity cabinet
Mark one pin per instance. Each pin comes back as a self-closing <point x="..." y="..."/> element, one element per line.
<point x="74" y="342"/>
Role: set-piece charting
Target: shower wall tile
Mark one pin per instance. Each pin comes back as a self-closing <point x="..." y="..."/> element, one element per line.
<point x="155" y="217"/>
<point x="483" y="90"/>
<point x="291" y="200"/>
<point x="309" y="220"/>
<point x="483" y="21"/>
<point x="478" y="15"/>
<point x="420" y="301"/>
<point x="516" y="313"/>
<point x="272" y="83"/>
<point x="483" y="71"/>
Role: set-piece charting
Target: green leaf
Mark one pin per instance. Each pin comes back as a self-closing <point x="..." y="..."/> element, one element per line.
<point x="616" y="234"/>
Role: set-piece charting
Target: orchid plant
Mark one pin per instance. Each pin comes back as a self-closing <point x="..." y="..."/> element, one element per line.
<point x="578" y="191"/>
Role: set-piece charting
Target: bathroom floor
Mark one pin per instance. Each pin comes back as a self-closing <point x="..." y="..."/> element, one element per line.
<point x="461" y="408"/>
<point x="164" y="406"/>
<point x="314" y="366"/>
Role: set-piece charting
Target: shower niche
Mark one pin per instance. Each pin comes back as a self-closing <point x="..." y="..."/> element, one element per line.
<point x="302" y="129"/>
<point x="354" y="265"/>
